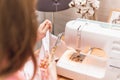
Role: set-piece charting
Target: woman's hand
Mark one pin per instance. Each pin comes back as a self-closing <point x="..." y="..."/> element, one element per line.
<point x="43" y="28"/>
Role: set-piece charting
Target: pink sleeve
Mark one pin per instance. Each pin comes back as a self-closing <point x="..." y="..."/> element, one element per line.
<point x="16" y="76"/>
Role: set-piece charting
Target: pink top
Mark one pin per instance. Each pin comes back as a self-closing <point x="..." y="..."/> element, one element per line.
<point x="16" y="76"/>
<point x="27" y="72"/>
<point x="23" y="74"/>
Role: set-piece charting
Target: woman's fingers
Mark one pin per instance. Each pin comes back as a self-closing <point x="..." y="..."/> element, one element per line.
<point x="46" y="24"/>
<point x="47" y="27"/>
<point x="43" y="28"/>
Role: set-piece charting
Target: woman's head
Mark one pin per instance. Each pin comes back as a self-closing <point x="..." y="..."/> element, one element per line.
<point x="18" y="29"/>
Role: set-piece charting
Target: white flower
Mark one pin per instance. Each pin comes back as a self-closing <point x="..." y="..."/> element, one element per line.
<point x="91" y="1"/>
<point x="78" y="5"/>
<point x="96" y="4"/>
<point x="86" y="16"/>
<point x="91" y="12"/>
<point x="86" y="8"/>
<point x="83" y="2"/>
<point x="71" y="4"/>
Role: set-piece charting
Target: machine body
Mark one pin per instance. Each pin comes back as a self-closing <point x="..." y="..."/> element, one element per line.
<point x="81" y="34"/>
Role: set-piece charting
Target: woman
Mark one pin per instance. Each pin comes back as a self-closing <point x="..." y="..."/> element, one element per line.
<point x="18" y="35"/>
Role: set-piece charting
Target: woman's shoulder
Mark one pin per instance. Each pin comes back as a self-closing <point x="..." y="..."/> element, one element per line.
<point x="19" y="75"/>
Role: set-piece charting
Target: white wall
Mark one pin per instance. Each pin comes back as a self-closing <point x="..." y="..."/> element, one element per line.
<point x="106" y="7"/>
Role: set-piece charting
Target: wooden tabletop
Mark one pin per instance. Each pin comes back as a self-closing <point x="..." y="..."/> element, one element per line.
<point x="63" y="78"/>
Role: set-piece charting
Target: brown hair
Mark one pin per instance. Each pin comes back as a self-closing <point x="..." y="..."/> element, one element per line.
<point x="18" y="31"/>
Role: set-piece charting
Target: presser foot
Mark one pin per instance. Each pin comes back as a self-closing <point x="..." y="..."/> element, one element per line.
<point x="77" y="57"/>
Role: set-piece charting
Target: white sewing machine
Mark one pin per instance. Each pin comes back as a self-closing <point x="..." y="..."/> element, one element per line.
<point x="99" y="50"/>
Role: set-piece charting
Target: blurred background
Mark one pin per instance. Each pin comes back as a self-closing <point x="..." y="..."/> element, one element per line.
<point x="61" y="17"/>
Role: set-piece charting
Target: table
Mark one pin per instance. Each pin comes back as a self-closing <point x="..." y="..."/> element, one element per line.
<point x="63" y="78"/>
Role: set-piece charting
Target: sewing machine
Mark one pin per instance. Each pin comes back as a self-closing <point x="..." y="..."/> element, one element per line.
<point x="97" y="50"/>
